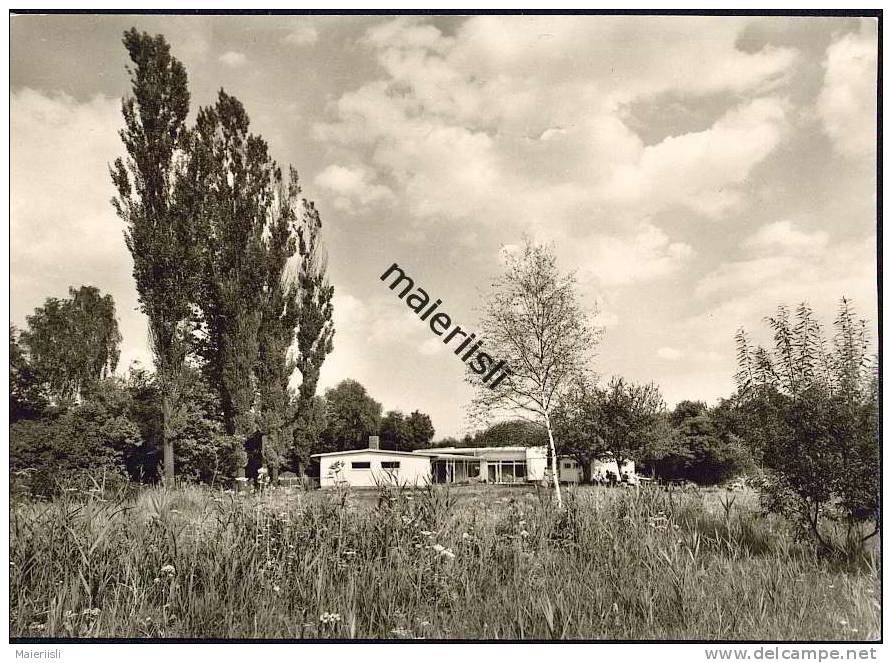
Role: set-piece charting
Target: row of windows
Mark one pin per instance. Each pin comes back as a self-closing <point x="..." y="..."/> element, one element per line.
<point x="366" y="465"/>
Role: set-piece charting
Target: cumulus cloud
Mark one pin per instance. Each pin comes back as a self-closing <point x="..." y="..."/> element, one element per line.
<point x="741" y="292"/>
<point x="506" y="120"/>
<point x="784" y="236"/>
<point x="779" y="253"/>
<point x="646" y="254"/>
<point x="303" y="35"/>
<point x="352" y="187"/>
<point x="669" y="354"/>
<point x="63" y="230"/>
<point x="847" y="102"/>
<point x="702" y="170"/>
<point x="233" y="59"/>
<point x="431" y="346"/>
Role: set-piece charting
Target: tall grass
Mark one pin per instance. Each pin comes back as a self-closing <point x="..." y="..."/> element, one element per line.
<point x="471" y="563"/>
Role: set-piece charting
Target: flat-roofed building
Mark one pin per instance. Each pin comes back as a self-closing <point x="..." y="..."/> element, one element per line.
<point x="487" y="464"/>
<point x="496" y="465"/>
<point x="372" y="467"/>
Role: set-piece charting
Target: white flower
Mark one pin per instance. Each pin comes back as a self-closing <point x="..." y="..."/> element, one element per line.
<point x="524" y="533"/>
<point x="438" y="548"/>
<point x="276" y="589"/>
<point x="447" y="553"/>
<point x="168" y="569"/>
<point x="425" y="532"/>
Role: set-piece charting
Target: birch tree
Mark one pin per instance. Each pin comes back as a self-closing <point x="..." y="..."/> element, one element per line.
<point x="534" y="322"/>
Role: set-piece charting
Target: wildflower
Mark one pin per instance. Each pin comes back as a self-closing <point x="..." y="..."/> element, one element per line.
<point x="329" y="617"/>
<point x="448" y="554"/>
<point x="524" y="533"/>
<point x="425" y="532"/>
<point x="349" y="553"/>
<point x="168" y="570"/>
<point x="465" y="536"/>
<point x="277" y="589"/>
<point x="437" y="548"/>
<point x="157" y="580"/>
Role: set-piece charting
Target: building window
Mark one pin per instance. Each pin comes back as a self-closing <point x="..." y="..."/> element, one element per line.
<point x="361" y="465"/>
<point x="568" y="466"/>
<point x="507" y="471"/>
<point x="390" y="465"/>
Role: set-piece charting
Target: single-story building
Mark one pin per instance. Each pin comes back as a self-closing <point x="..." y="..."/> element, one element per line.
<point x="498" y="465"/>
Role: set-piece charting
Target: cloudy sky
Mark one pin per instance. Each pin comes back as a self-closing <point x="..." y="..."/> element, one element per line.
<point x="694" y="172"/>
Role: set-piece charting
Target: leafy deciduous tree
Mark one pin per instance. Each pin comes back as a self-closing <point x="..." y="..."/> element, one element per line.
<point x="811" y="416"/>
<point x="159" y="234"/>
<point x="534" y="322"/>
<point x="71" y="343"/>
<point x="351" y="416"/>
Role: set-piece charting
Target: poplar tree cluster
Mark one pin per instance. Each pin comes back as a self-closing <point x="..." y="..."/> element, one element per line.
<point x="228" y="259"/>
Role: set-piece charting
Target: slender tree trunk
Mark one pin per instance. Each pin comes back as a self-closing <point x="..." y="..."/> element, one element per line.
<point x="166" y="439"/>
<point x="554" y="463"/>
<point x="586" y="471"/>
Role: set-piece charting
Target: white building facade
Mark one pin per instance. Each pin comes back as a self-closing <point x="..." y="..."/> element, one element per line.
<point x="495" y="465"/>
<point x="372" y="467"/>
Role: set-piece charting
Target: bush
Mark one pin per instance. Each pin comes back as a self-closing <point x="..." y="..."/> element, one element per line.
<point x="812" y="417"/>
<point x="67" y="452"/>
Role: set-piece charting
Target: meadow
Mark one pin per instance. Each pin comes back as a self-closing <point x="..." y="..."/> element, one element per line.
<point x="479" y="562"/>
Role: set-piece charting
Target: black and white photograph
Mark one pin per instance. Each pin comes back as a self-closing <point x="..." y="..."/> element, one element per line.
<point x="446" y="327"/>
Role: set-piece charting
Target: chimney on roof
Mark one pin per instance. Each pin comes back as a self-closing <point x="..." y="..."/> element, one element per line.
<point x="373" y="442"/>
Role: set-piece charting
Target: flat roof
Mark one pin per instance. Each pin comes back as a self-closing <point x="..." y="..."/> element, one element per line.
<point x="347" y="452"/>
<point x="472" y="450"/>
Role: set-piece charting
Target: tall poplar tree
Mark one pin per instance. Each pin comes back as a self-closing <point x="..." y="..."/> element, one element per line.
<point x="158" y="234"/>
<point x="231" y="187"/>
<point x="315" y="330"/>
<point x="296" y="327"/>
<point x="280" y="316"/>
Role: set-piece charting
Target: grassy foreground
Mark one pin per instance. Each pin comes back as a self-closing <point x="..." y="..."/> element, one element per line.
<point x="483" y="562"/>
